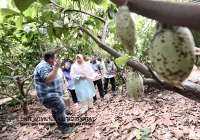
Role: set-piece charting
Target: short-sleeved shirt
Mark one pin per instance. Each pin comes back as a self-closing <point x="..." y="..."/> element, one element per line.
<point x="96" y="66"/>
<point x="46" y="90"/>
<point x="108" y="72"/>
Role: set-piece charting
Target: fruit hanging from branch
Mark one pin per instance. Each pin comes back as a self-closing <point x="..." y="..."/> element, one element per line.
<point x="125" y="28"/>
<point x="134" y="85"/>
<point x="172" y="52"/>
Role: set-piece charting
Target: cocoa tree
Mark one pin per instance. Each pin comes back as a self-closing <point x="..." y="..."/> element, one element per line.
<point x="58" y="25"/>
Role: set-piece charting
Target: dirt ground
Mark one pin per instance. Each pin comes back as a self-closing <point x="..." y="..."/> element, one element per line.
<point x="168" y="115"/>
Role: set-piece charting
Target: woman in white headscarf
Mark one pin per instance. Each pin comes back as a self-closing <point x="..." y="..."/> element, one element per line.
<point x="82" y="75"/>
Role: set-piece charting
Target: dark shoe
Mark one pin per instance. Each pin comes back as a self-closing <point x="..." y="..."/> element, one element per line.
<point x="69" y="113"/>
<point x="68" y="130"/>
<point x="94" y="101"/>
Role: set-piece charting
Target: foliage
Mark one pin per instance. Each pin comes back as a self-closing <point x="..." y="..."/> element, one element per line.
<point x="143" y="134"/>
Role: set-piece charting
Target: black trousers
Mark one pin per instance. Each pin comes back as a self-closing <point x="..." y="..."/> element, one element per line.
<point x="112" y="81"/>
<point x="73" y="93"/>
<point x="100" y="88"/>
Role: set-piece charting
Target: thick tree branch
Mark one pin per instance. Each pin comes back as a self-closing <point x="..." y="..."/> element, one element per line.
<point x="73" y="10"/>
<point x="30" y="76"/>
<point x="135" y="64"/>
<point x="7" y="94"/>
<point x="180" y="14"/>
<point x="154" y="76"/>
<point x="189" y="89"/>
<point x="29" y="87"/>
<point x="103" y="38"/>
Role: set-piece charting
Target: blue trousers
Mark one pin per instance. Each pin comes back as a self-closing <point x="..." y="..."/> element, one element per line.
<point x="58" y="108"/>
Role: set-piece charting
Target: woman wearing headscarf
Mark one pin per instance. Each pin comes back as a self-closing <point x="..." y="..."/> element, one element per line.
<point x="71" y="87"/>
<point x="82" y="75"/>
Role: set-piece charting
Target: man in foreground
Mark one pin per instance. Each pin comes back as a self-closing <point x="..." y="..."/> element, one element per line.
<point x="49" y="89"/>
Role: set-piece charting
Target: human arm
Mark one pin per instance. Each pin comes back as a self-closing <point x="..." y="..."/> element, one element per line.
<point x="101" y="69"/>
<point x="74" y="75"/>
<point x="114" y="69"/>
<point x="52" y="75"/>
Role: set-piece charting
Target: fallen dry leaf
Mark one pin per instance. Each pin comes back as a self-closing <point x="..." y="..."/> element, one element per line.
<point x="97" y="134"/>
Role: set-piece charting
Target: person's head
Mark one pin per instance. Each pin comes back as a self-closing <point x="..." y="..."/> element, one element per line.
<point x="99" y="59"/>
<point x="79" y="59"/>
<point x="93" y="58"/>
<point x="107" y="60"/>
<point x="50" y="57"/>
<point x="67" y="65"/>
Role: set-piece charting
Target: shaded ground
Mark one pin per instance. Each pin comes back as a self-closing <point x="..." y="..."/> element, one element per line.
<point x="169" y="115"/>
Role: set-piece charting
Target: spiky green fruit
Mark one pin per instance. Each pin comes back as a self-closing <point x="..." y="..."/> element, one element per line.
<point x="125" y="28"/>
<point x="172" y="52"/>
<point x="134" y="85"/>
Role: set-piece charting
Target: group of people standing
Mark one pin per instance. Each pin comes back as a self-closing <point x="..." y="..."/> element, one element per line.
<point x="80" y="78"/>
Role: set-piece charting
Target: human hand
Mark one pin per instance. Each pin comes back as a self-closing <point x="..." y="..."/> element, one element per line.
<point x="83" y="76"/>
<point x="58" y="63"/>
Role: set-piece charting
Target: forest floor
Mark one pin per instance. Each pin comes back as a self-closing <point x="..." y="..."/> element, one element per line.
<point x="167" y="114"/>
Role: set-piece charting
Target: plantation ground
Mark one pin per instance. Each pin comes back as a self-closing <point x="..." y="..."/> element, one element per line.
<point x="169" y="115"/>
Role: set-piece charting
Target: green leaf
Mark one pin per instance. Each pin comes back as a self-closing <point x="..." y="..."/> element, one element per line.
<point x="97" y="1"/>
<point x="127" y="131"/>
<point x="22" y="5"/>
<point x="42" y="31"/>
<point x="58" y="32"/>
<point x="44" y="2"/>
<point x="138" y="135"/>
<point x="121" y="60"/>
<point x="58" y="23"/>
<point x="105" y="4"/>
<point x="56" y="16"/>
<point x="146" y="138"/>
<point x="23" y="65"/>
<point x="50" y="33"/>
<point x="19" y="22"/>
<point x="7" y="11"/>
<point x="7" y="70"/>
<point x="47" y="16"/>
<point x="116" y="124"/>
<point x="145" y="131"/>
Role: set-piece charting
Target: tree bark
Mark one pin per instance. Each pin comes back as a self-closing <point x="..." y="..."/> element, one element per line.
<point x="180" y="14"/>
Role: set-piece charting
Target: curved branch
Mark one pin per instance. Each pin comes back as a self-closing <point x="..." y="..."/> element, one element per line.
<point x="154" y="76"/>
<point x="189" y="90"/>
<point x="166" y="12"/>
<point x="74" y="10"/>
<point x="30" y="76"/>
<point x="99" y="18"/>
<point x="103" y="38"/>
<point x="7" y="94"/>
<point x="135" y="64"/>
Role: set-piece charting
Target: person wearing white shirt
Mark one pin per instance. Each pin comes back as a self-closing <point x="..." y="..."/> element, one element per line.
<point x="109" y="75"/>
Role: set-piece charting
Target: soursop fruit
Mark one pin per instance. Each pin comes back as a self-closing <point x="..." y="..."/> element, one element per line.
<point x="125" y="28"/>
<point x="134" y="85"/>
<point x="172" y="52"/>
